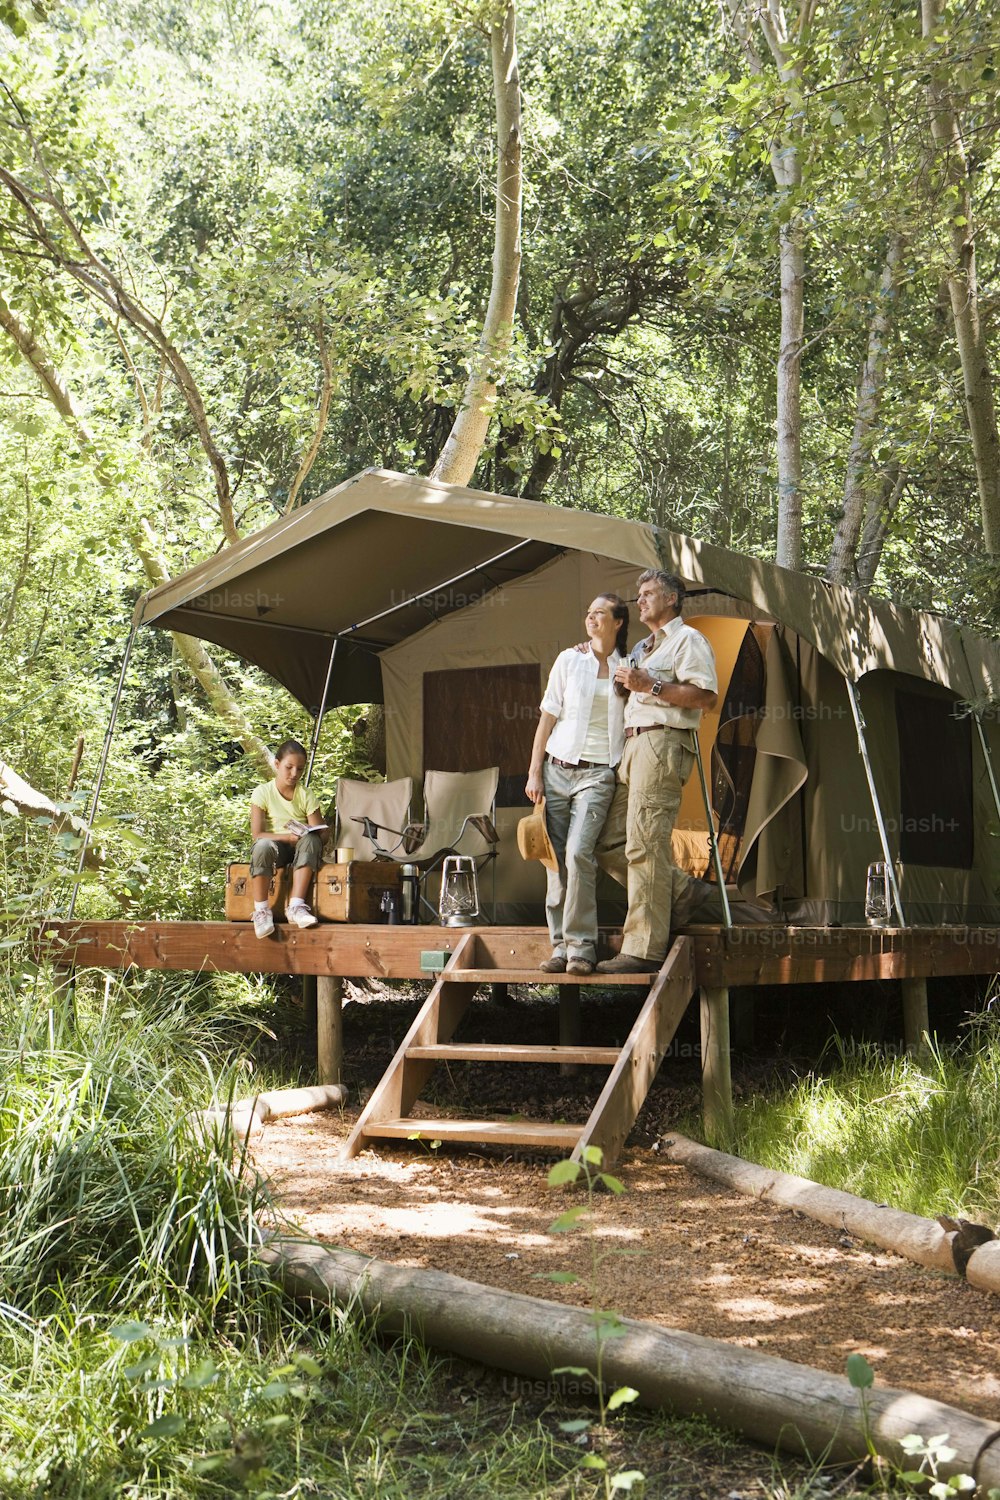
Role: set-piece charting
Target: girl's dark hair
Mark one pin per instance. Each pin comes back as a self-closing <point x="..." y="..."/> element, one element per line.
<point x="619" y="612"/>
<point x="289" y="747"/>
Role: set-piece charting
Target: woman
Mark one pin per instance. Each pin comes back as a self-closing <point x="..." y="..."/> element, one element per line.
<point x="577" y="745"/>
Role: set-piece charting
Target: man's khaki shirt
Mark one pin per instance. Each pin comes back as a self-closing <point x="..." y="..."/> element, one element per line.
<point x="676" y="653"/>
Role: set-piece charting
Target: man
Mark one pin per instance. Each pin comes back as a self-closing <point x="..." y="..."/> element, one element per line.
<point x="670" y="679"/>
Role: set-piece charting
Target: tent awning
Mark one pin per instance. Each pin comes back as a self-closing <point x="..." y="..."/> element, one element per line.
<point x="383" y="555"/>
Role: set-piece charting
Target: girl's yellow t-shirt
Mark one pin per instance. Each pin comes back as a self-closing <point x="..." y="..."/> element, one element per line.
<point x="278" y="810"/>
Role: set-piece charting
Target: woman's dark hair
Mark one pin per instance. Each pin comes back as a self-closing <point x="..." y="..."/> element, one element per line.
<point x="289" y="747"/>
<point x="619" y="612"/>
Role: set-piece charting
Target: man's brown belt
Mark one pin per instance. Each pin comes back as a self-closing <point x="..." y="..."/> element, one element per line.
<point x="645" y="728"/>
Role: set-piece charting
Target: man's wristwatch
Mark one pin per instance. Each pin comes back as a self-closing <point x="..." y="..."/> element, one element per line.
<point x="656" y="689"/>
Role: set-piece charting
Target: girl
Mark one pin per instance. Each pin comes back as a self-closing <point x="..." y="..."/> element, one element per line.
<point x="273" y="806"/>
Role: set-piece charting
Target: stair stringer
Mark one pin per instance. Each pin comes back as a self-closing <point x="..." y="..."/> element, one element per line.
<point x="629" y="1081"/>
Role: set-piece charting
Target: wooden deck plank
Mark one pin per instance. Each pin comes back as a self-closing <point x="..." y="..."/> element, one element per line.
<point x="535" y="976"/>
<point x="603" y="1057"/>
<point x="481" y="1132"/>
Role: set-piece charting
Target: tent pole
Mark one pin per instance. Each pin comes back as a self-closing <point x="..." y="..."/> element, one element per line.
<point x="859" y="724"/>
<point x="713" y="842"/>
<point x="102" y="767"/>
<point x="318" y="723"/>
<point x="988" y="759"/>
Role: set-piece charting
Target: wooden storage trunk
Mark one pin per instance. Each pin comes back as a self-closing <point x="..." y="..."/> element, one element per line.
<point x="353" y="893"/>
<point x="239" y="893"/>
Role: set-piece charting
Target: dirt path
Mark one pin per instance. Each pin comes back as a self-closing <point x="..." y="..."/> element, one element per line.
<point x="676" y="1249"/>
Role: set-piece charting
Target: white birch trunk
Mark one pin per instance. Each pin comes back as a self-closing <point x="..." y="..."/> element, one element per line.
<point x="785" y="46"/>
<point x="460" y="454"/>
<point x="882" y="507"/>
<point x="789" y="393"/>
<point x="858" y="479"/>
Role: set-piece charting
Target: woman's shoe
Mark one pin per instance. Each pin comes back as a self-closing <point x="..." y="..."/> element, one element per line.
<point x="553" y="965"/>
<point x="579" y="966"/>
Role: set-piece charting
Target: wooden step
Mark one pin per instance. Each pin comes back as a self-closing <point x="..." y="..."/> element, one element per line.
<point x="479" y="1132"/>
<point x="536" y="976"/>
<point x="517" y="1053"/>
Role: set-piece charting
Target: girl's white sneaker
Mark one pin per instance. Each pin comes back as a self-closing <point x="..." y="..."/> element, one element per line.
<point x="301" y="916"/>
<point x="263" y="923"/>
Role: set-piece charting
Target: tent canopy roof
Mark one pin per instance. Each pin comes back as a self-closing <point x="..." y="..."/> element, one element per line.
<point x="380" y="557"/>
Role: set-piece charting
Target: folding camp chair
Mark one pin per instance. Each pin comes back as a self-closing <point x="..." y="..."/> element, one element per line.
<point x="373" y="805"/>
<point x="459" y="810"/>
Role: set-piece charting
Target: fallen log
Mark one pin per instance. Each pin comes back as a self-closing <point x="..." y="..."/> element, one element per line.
<point x="773" y="1401"/>
<point x="247" y="1117"/>
<point x="918" y="1239"/>
<point x="282" y="1103"/>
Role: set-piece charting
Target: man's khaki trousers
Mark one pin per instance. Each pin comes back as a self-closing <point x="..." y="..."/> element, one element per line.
<point x="635" y="847"/>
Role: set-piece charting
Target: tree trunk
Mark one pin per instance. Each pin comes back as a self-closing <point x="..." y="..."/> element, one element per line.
<point x="31" y="803"/>
<point x="786" y="47"/>
<point x="842" y="567"/>
<point x="103" y="282"/>
<point x="793" y="271"/>
<point x="881" y="509"/>
<point x="963" y="291"/>
<point x="460" y="454"/>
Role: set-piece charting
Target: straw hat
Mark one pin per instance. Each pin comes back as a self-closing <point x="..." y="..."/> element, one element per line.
<point x="533" y="838"/>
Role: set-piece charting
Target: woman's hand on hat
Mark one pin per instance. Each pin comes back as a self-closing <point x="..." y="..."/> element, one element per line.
<point x="533" y="788"/>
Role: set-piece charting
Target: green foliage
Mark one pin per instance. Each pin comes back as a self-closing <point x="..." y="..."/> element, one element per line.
<point x="143" y="1349"/>
<point x="607" y="1325"/>
<point x="933" y="1452"/>
<point x="922" y="1133"/>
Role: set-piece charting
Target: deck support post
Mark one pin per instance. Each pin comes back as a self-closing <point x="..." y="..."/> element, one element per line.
<point x="916" y="1018"/>
<point x="569" y="1024"/>
<point x="309" y="1001"/>
<point x="329" y="1027"/>
<point x="716" y="1077"/>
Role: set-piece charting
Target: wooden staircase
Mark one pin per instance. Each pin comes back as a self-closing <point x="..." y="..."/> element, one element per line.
<point x="633" y="1066"/>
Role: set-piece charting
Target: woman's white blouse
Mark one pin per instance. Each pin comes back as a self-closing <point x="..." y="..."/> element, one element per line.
<point x="569" y="696"/>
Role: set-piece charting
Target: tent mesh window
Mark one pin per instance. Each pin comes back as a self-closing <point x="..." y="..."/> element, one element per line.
<point x="935" y="781"/>
<point x="484" y="716"/>
<point x="735" y="751"/>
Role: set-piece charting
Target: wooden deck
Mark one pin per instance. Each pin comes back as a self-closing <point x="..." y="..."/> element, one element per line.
<point x="741" y="956"/>
<point x="716" y="960"/>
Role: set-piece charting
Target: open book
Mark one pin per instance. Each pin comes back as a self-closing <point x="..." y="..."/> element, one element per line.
<point x="295" y="826"/>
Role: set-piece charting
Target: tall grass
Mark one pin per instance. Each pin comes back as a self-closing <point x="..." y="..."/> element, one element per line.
<point x="102" y="1179"/>
<point x="143" y="1352"/>
<point x="921" y="1133"/>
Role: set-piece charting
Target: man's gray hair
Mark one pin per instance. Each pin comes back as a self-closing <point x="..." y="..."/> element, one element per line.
<point x="669" y="582"/>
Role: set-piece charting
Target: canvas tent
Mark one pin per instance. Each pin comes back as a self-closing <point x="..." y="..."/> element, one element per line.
<point x="449" y="605"/>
